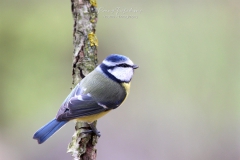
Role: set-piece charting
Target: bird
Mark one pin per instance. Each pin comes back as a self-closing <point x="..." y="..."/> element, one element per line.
<point x="102" y="90"/>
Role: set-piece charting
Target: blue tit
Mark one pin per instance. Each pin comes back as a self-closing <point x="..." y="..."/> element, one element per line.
<point x="101" y="91"/>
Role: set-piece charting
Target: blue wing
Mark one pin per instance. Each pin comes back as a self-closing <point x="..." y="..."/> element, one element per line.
<point x="79" y="106"/>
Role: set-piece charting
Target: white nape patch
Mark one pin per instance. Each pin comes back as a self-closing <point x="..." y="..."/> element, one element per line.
<point x="122" y="73"/>
<point x="84" y="89"/>
<point x="99" y="68"/>
<point x="102" y="105"/>
<point x="109" y="63"/>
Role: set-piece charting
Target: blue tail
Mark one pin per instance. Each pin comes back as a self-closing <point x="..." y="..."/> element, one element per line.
<point x="48" y="130"/>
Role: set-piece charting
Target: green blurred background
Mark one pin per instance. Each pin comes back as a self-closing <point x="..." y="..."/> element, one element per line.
<point x="184" y="102"/>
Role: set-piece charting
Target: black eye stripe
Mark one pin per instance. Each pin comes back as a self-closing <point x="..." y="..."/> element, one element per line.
<point x="123" y="65"/>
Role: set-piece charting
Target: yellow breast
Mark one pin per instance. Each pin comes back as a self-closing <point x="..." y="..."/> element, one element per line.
<point x="92" y="118"/>
<point x="127" y="87"/>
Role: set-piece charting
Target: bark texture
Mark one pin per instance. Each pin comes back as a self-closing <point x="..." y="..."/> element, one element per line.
<point x="85" y="45"/>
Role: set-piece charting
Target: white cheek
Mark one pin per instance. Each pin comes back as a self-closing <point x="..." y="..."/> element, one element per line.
<point x="121" y="73"/>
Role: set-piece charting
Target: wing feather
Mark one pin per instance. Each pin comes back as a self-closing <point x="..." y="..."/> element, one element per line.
<point x="79" y="106"/>
<point x="83" y="99"/>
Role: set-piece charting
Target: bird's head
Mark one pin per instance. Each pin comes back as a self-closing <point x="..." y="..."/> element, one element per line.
<point x="118" y="67"/>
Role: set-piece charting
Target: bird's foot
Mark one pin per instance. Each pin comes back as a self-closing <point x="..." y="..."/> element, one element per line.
<point x="93" y="129"/>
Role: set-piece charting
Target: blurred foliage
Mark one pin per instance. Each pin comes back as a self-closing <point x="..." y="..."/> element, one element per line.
<point x="184" y="101"/>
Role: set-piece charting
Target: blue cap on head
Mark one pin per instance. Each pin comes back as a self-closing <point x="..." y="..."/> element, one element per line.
<point x="116" y="58"/>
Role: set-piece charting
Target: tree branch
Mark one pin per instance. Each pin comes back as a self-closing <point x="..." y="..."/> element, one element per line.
<point x="85" y="45"/>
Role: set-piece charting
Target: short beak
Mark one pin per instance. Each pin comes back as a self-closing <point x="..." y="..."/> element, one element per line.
<point x="134" y="66"/>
